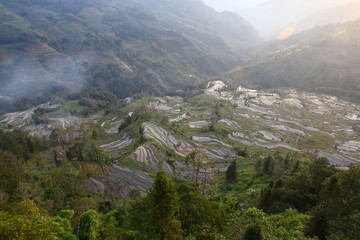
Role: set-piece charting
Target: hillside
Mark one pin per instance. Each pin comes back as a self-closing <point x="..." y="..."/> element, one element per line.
<point x="324" y="59"/>
<point x="121" y="47"/>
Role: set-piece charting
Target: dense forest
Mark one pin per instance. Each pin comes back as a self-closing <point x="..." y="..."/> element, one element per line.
<point x="303" y="200"/>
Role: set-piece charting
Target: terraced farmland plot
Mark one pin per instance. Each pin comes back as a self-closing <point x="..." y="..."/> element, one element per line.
<point x="152" y="159"/>
<point x="120" y="182"/>
<point x="114" y="148"/>
<point x="160" y="135"/>
<point x="199" y="124"/>
<point x="288" y="118"/>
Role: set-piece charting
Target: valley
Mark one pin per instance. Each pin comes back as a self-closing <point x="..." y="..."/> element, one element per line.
<point x="170" y="120"/>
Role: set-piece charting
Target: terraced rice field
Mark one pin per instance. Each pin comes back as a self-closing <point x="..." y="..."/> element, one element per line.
<point x="152" y="159"/>
<point x="290" y="118"/>
<point x="115" y="148"/>
<point x="120" y="182"/>
<point x="286" y="120"/>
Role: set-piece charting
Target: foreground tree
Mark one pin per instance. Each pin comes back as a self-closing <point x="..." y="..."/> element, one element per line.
<point x="88" y="226"/>
<point x="175" y="209"/>
<point x="154" y="217"/>
<point x="24" y="222"/>
<point x="201" y="170"/>
<point x="337" y="213"/>
<point x="164" y="201"/>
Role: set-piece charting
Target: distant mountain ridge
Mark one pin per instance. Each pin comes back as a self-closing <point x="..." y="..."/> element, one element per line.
<point x="124" y="47"/>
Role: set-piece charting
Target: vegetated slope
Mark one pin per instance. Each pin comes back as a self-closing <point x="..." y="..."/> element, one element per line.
<point x="241" y="141"/>
<point x="217" y="33"/>
<point x="125" y="46"/>
<point x="322" y="60"/>
<point x="342" y="13"/>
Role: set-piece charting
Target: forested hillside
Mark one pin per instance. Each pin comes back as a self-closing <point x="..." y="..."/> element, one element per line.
<point x="114" y="47"/>
<point x="309" y="198"/>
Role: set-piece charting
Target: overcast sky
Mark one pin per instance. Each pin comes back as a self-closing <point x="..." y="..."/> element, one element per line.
<point x="232" y="5"/>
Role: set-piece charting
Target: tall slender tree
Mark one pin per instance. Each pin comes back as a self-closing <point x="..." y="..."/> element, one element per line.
<point x="87" y="226"/>
<point x="231" y="173"/>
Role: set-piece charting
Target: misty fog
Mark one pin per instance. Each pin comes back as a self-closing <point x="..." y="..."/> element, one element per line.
<point x="270" y="17"/>
<point x="29" y="76"/>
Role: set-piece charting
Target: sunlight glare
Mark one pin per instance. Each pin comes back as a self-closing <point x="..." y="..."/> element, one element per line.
<point x="286" y="33"/>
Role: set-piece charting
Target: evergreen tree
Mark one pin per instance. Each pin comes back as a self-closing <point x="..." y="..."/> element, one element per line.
<point x="268" y="167"/>
<point x="231" y="173"/>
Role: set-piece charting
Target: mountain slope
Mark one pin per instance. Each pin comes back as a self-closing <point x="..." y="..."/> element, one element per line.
<point x="123" y="46"/>
<point x="324" y="60"/>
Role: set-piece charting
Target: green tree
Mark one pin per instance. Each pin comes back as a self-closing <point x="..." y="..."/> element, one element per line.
<point x="198" y="215"/>
<point x="231" y="173"/>
<point x="299" y="191"/>
<point x="338" y="206"/>
<point x="154" y="217"/>
<point x="253" y="232"/>
<point x="88" y="226"/>
<point x="269" y="165"/>
<point x="76" y="151"/>
<point x="11" y="173"/>
<point x="200" y="169"/>
<point x="24" y="222"/>
<point x="164" y="201"/>
<point x="241" y="152"/>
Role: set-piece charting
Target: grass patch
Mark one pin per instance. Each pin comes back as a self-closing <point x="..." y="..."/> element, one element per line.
<point x="129" y="162"/>
<point x="204" y="102"/>
<point x="244" y="193"/>
<point x="316" y="142"/>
